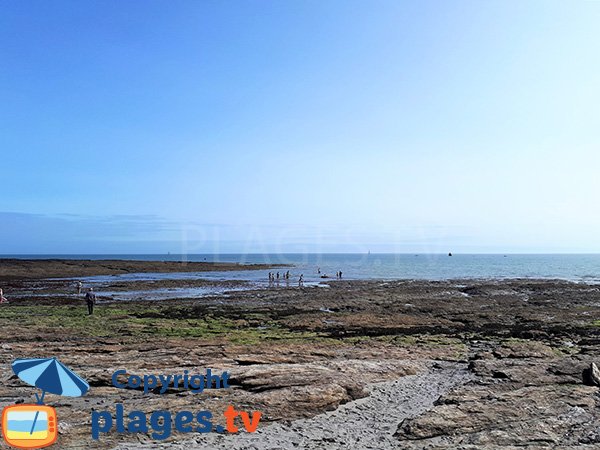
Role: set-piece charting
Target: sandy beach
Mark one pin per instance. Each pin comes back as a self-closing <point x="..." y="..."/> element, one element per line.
<point x="363" y="364"/>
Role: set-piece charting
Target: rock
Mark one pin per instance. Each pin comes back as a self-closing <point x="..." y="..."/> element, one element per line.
<point x="276" y="376"/>
<point x="591" y="375"/>
<point x="595" y="373"/>
<point x="64" y="427"/>
<point x="524" y="349"/>
<point x="533" y="334"/>
<point x="486" y="417"/>
<point x="529" y="372"/>
<point x="483" y="355"/>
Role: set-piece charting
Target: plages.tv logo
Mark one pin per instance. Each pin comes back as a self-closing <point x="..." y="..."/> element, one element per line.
<point x="35" y="425"/>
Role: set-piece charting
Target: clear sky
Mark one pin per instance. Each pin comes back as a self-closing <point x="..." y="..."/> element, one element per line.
<point x="339" y="125"/>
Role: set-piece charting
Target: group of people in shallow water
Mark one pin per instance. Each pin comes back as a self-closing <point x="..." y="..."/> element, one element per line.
<point x="338" y="274"/>
<point x="275" y="277"/>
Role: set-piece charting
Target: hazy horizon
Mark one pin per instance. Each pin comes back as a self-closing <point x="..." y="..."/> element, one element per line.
<point x="4" y="255"/>
<point x="317" y="127"/>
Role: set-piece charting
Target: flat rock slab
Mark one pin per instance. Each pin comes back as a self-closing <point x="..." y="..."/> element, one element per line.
<point x="367" y="423"/>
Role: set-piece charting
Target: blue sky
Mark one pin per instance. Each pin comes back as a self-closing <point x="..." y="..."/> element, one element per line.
<point x="201" y="126"/>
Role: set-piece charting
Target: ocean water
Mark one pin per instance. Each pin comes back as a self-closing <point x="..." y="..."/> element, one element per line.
<point x="574" y="267"/>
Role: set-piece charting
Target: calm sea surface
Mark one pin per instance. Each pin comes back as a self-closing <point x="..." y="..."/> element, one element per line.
<point x="581" y="267"/>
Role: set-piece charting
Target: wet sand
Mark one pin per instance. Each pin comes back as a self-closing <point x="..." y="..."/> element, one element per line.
<point x="399" y="364"/>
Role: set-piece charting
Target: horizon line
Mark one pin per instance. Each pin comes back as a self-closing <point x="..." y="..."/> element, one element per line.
<point x="3" y="255"/>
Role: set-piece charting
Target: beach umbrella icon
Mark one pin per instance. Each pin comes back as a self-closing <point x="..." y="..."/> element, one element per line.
<point x="49" y="375"/>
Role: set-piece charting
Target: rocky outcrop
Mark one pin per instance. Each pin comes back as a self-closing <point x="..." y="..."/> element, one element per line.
<point x="304" y="388"/>
<point x="528" y="396"/>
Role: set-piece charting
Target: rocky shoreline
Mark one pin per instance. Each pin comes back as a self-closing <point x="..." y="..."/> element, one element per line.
<point x="399" y="364"/>
<point x="367" y="423"/>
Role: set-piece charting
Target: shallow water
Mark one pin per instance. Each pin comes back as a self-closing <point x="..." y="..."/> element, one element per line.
<point x="581" y="267"/>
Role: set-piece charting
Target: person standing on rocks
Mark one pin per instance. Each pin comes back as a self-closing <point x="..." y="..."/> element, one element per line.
<point x="90" y="299"/>
<point x="2" y="297"/>
<point x="79" y="287"/>
<point x="301" y="280"/>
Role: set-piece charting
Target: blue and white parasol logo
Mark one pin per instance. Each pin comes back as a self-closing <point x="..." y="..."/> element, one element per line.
<point x="50" y="375"/>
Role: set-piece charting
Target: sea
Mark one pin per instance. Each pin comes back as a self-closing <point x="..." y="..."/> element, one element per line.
<point x="381" y="266"/>
<point x="318" y="270"/>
